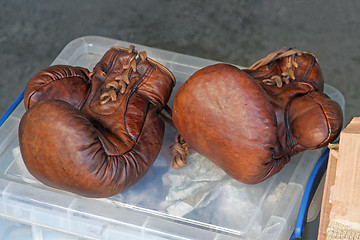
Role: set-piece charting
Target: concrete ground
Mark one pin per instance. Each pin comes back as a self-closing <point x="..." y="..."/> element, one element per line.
<point x="32" y="33"/>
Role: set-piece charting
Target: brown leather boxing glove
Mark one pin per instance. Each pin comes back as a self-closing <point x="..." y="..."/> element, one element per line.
<point x="251" y="126"/>
<point x="95" y="134"/>
<point x="293" y="82"/>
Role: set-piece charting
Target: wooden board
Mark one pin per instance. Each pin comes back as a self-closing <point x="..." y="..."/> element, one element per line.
<point x="345" y="198"/>
<point x="340" y="212"/>
<point x="329" y="182"/>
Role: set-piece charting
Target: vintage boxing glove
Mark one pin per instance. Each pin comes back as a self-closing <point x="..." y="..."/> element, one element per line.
<point x="294" y="84"/>
<point x="248" y="122"/>
<point x="95" y="134"/>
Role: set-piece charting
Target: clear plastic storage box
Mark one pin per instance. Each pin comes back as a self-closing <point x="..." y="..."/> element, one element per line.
<point x="198" y="201"/>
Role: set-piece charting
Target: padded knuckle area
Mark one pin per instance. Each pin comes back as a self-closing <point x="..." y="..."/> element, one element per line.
<point x="313" y="120"/>
<point x="224" y="115"/>
<point x="57" y="82"/>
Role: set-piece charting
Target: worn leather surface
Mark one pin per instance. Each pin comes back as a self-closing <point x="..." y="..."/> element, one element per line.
<point x="71" y="140"/>
<point x="251" y="129"/>
<point x="67" y="83"/>
<point x="307" y="118"/>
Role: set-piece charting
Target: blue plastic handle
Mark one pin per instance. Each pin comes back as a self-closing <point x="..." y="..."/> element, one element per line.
<point x="11" y="108"/>
<point x="311" y="186"/>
